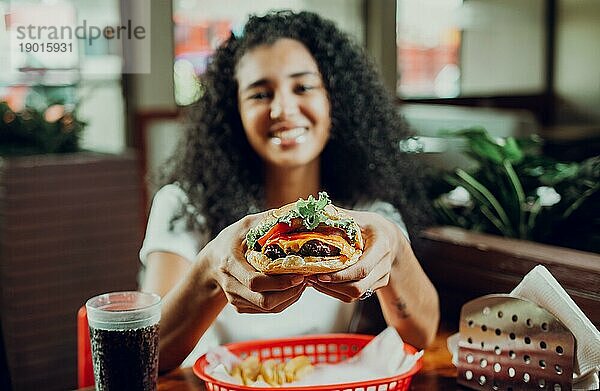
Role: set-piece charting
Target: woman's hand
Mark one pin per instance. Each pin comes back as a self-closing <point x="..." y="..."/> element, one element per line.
<point x="248" y="290"/>
<point x="408" y="299"/>
<point x="372" y="271"/>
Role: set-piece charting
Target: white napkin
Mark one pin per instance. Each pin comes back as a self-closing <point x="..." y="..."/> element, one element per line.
<point x="541" y="288"/>
<point x="384" y="356"/>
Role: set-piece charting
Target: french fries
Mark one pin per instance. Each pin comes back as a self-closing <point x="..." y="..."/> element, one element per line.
<point x="250" y="369"/>
<point x="236" y="372"/>
<point x="268" y="370"/>
<point x="274" y="373"/>
<point x="293" y="367"/>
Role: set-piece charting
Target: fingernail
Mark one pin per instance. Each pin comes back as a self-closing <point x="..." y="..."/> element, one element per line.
<point x="324" y="278"/>
<point x="297" y="280"/>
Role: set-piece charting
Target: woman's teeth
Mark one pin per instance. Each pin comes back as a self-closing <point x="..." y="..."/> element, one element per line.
<point x="297" y="135"/>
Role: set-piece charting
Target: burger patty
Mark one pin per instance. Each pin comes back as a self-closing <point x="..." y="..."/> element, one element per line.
<point x="273" y="251"/>
<point x="316" y="248"/>
<point x="312" y="248"/>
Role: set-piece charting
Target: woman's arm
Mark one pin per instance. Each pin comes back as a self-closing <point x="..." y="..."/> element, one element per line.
<point x="191" y="302"/>
<point x="162" y="271"/>
<point x="410" y="301"/>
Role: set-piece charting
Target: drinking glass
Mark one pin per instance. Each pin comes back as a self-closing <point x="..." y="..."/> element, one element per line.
<point x="124" y="332"/>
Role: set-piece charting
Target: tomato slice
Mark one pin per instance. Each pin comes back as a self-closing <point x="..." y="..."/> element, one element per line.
<point x="277" y="229"/>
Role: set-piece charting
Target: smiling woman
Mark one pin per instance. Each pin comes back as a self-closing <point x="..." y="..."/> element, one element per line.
<point x="291" y="107"/>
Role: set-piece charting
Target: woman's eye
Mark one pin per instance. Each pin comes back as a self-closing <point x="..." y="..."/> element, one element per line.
<point x="260" y="95"/>
<point x="304" y="88"/>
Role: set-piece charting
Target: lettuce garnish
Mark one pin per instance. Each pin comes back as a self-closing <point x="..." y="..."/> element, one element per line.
<point x="312" y="213"/>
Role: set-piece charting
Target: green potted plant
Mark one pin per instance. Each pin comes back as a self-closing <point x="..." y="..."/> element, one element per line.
<point x="48" y="124"/>
<point x="516" y="191"/>
<point x="29" y="132"/>
<point x="512" y="209"/>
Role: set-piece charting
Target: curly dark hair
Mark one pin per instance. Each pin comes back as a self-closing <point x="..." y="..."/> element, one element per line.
<point x="223" y="176"/>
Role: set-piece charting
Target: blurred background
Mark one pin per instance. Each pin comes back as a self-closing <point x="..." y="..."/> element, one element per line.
<point x="80" y="140"/>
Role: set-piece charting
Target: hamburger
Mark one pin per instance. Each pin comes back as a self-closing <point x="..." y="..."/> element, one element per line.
<point x="305" y="237"/>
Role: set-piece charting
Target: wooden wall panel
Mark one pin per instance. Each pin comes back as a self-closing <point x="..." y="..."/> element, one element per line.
<point x="464" y="265"/>
<point x="70" y="228"/>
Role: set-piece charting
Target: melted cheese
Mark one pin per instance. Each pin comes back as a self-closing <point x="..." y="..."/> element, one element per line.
<point x="292" y="243"/>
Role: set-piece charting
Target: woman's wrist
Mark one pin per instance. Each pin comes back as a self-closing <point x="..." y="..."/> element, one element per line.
<point x="204" y="274"/>
<point x="398" y="242"/>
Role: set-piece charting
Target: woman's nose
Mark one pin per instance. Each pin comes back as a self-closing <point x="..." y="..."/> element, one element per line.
<point x="283" y="106"/>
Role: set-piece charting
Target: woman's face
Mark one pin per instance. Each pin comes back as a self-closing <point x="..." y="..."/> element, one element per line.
<point x="283" y="103"/>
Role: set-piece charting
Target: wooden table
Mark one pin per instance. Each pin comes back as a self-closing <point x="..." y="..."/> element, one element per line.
<point x="437" y="373"/>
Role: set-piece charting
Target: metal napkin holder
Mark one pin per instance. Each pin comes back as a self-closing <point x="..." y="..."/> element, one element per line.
<point x="507" y="343"/>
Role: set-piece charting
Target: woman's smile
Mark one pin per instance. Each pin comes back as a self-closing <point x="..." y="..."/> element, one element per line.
<point x="288" y="135"/>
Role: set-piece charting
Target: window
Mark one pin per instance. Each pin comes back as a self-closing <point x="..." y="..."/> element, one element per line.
<point x="85" y="74"/>
<point x="201" y="25"/>
<point x="428" y="42"/>
<point x="456" y="48"/>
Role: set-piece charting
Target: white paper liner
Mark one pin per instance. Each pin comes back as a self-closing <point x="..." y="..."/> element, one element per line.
<point x="384" y="356"/>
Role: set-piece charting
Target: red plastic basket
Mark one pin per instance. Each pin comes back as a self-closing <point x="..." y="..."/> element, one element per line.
<point x="326" y="348"/>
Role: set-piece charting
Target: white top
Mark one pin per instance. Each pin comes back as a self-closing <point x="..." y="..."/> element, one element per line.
<point x="313" y="313"/>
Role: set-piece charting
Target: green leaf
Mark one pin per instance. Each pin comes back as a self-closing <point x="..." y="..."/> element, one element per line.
<point x="533" y="213"/>
<point x="487" y="149"/>
<point x="481" y="145"/>
<point x="558" y="173"/>
<point x="512" y="151"/>
<point x="485" y="197"/>
<point x="580" y="200"/>
<point x="519" y="195"/>
<point x="447" y="213"/>
<point x="506" y="231"/>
